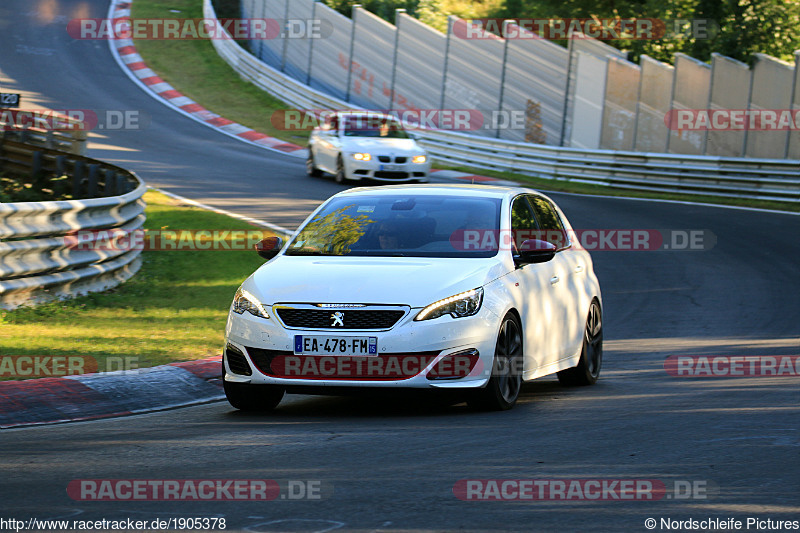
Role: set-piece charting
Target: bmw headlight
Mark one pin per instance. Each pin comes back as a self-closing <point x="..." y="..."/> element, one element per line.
<point x="460" y="305"/>
<point x="362" y="157"/>
<point x="419" y="159"/>
<point x="246" y="302"/>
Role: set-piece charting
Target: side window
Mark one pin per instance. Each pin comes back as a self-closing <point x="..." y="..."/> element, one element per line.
<point x="552" y="229"/>
<point x="523" y="223"/>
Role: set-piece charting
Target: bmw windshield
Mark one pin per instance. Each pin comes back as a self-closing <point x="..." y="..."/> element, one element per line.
<point x="401" y="226"/>
<point x="374" y="127"/>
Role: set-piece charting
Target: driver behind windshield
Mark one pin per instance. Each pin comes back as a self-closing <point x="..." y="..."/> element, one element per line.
<point x="374" y="127"/>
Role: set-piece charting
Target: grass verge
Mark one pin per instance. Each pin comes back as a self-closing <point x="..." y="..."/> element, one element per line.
<point x="195" y="69"/>
<point x="174" y="309"/>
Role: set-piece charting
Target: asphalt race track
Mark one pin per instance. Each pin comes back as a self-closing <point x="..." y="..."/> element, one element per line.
<point x="392" y="463"/>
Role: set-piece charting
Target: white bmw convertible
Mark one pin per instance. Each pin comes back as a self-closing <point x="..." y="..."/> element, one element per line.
<point x="357" y="145"/>
<point x="464" y="288"/>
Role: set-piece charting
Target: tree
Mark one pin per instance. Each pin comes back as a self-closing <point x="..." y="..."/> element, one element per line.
<point x="432" y="13"/>
<point x="738" y="28"/>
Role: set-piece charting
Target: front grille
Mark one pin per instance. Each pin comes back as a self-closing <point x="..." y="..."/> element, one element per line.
<point x="384" y="159"/>
<point x="352" y="319"/>
<point x="383" y="174"/>
<point x="237" y="363"/>
<point x="400" y="160"/>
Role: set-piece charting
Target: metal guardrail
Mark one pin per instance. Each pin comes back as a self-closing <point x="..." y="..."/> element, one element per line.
<point x="39" y="259"/>
<point x="765" y="179"/>
<point x="71" y="139"/>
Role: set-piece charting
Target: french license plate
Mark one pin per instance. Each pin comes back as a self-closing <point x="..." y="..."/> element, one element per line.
<point x="390" y="168"/>
<point x="329" y="345"/>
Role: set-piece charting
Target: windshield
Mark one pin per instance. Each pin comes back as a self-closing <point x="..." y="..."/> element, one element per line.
<point x="374" y="127"/>
<point x="398" y="226"/>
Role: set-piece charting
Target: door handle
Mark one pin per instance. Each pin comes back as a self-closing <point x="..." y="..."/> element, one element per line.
<point x="579" y="269"/>
<point x="554" y="280"/>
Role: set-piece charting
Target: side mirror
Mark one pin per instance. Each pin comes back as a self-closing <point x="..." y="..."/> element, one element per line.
<point x="269" y="247"/>
<point x="535" y="251"/>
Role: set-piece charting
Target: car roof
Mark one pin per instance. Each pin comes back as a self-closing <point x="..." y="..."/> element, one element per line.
<point x="433" y="189"/>
<point x="365" y="113"/>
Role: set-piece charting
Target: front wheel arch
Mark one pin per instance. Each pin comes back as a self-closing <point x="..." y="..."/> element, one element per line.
<point x="505" y="382"/>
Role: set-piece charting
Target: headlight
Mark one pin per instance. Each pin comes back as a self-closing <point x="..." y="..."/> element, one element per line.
<point x="244" y="301"/>
<point x="458" y="306"/>
<point x="419" y="159"/>
<point x="362" y="157"/>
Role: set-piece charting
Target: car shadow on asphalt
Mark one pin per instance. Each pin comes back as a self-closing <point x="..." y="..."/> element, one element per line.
<point x="395" y="403"/>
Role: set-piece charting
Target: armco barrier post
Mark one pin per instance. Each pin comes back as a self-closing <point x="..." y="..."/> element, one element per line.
<point x="311" y="44"/>
<point x="77" y="178"/>
<point x="451" y="20"/>
<point x="285" y="36"/>
<point x="566" y="94"/>
<point x="352" y="50"/>
<point x="37" y="172"/>
<point x="506" y="23"/>
<point x="795" y="105"/>
<point x="261" y="41"/>
<point x="110" y="185"/>
<point x="91" y="188"/>
<point x="397" y="18"/>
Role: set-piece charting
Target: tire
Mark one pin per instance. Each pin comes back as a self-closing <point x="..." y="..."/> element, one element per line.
<point x="341" y="175"/>
<point x="246" y="397"/>
<point x="588" y="369"/>
<point x="311" y="168"/>
<point x="502" y="390"/>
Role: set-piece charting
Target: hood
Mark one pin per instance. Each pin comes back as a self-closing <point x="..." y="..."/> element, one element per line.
<point x="398" y="146"/>
<point x="412" y="281"/>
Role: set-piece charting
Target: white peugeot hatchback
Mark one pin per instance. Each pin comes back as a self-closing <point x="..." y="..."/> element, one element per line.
<point x="356" y="145"/>
<point x="466" y="288"/>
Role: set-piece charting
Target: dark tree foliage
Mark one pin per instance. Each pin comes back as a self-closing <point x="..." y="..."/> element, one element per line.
<point x="737" y="28"/>
<point x="383" y="8"/>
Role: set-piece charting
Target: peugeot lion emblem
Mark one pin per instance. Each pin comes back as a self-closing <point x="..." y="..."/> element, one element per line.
<point x="338" y="319"/>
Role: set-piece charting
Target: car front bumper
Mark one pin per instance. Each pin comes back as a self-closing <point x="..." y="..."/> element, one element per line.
<point x="388" y="172"/>
<point x="408" y="356"/>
